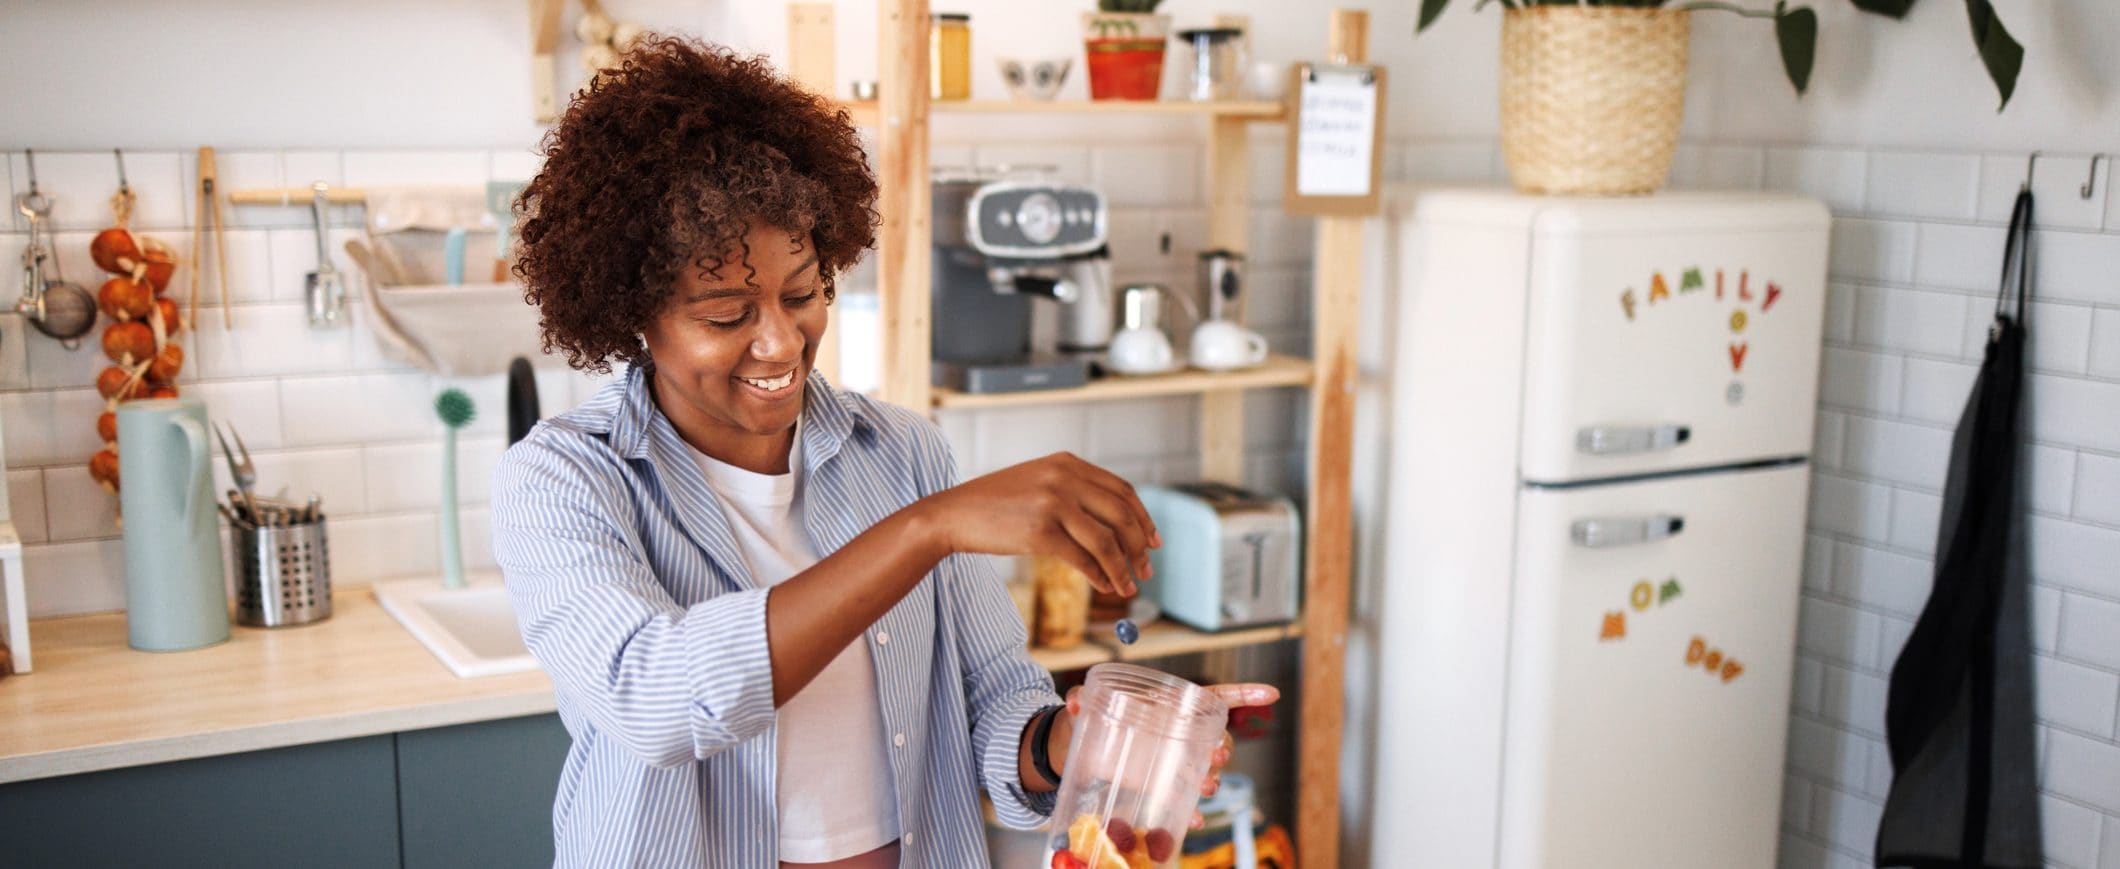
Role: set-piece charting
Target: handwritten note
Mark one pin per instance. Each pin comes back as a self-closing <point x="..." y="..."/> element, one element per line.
<point x="1337" y="136"/>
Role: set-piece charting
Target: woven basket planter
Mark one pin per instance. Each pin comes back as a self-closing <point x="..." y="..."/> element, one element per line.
<point x="1591" y="97"/>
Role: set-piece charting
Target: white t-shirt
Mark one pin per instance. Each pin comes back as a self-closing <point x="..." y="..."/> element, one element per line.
<point x="834" y="789"/>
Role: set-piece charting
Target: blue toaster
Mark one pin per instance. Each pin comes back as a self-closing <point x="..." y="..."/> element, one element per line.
<point x="1230" y="558"/>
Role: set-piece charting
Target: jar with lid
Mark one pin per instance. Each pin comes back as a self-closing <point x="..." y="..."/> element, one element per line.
<point x="1143" y="741"/>
<point x="950" y="56"/>
<point x="1216" y="71"/>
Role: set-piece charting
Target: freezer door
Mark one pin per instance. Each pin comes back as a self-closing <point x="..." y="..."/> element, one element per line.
<point x="1679" y="337"/>
<point x="1652" y="641"/>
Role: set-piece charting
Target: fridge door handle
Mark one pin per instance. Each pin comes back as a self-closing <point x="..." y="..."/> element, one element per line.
<point x="1607" y="531"/>
<point x="1605" y="440"/>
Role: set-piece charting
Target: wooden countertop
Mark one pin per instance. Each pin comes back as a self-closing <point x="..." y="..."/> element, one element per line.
<point x="93" y="703"/>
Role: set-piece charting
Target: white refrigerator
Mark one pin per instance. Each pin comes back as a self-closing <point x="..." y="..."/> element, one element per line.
<point x="1599" y="416"/>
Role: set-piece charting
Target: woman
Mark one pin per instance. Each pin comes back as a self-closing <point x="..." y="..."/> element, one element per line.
<point x="761" y="600"/>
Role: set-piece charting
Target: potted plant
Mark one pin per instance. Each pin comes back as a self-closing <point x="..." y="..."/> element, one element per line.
<point x="1124" y="41"/>
<point x="1592" y="90"/>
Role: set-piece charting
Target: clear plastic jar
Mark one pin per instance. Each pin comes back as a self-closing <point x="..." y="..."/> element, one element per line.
<point x="1141" y="748"/>
<point x="1217" y="70"/>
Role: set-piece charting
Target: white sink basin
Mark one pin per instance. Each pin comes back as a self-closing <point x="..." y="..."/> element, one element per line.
<point x="471" y="629"/>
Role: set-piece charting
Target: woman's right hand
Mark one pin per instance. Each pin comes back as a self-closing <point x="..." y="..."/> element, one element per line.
<point x="1059" y="506"/>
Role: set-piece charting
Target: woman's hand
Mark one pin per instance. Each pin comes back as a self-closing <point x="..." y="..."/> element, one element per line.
<point x="1058" y="506"/>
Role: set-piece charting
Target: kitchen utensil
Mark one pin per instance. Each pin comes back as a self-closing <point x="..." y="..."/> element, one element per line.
<point x="210" y="219"/>
<point x="500" y="202"/>
<point x="523" y="411"/>
<point x="240" y="469"/>
<point x="1229" y="557"/>
<point x="322" y="288"/>
<point x="1219" y="345"/>
<point x="454" y="408"/>
<point x="283" y="574"/>
<point x="1141" y="347"/>
<point x="174" y="594"/>
<point x="1087" y="304"/>
<point x="55" y="306"/>
<point x="370" y="265"/>
<point x="1221" y="284"/>
<point x="453" y="257"/>
<point x="1216" y="71"/>
<point x="1142" y="744"/>
<point x="1034" y="79"/>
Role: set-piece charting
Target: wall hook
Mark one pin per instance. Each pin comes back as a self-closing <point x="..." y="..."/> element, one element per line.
<point x="2088" y="183"/>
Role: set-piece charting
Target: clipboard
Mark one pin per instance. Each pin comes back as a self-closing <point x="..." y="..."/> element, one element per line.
<point x="1335" y="164"/>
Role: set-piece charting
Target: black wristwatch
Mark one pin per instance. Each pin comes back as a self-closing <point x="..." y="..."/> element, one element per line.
<point x="1041" y="761"/>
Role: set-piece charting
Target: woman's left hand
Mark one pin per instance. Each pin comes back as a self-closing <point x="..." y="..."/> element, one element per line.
<point x="1235" y="694"/>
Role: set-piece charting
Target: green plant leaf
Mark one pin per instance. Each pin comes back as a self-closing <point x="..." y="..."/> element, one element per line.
<point x="1429" y="10"/>
<point x="1999" y="52"/>
<point x="1796" y="30"/>
<point x="1886" y="8"/>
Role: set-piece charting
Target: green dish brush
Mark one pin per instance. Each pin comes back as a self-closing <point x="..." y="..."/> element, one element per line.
<point x="456" y="411"/>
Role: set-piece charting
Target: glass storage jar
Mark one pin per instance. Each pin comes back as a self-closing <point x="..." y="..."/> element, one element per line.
<point x="950" y="56"/>
<point x="1142" y="743"/>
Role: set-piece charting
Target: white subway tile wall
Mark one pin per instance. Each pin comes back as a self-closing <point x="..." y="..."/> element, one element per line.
<point x="1917" y="250"/>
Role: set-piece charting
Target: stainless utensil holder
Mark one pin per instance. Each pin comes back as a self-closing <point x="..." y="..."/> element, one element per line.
<point x="283" y="575"/>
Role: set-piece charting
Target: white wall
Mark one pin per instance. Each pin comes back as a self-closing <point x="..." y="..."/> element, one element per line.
<point x="1899" y="134"/>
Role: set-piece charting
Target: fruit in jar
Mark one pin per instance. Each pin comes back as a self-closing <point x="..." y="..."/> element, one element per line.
<point x="1087" y="841"/>
<point x="113" y="250"/>
<point x="163" y="371"/>
<point x="1065" y="860"/>
<point x="114" y="383"/>
<point x="1160" y="844"/>
<point x="123" y="298"/>
<point x="1121" y="833"/>
<point x="129" y="342"/>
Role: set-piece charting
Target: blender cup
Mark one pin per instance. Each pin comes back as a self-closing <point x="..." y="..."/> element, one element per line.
<point x="1140" y="750"/>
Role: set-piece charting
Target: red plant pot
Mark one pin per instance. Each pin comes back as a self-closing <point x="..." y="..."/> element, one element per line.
<point x="1125" y="52"/>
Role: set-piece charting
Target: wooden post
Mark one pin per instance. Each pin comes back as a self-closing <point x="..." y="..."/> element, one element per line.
<point x="902" y="170"/>
<point x="812" y="56"/>
<point x="544" y="66"/>
<point x="1228" y="228"/>
<point x="1329" y="551"/>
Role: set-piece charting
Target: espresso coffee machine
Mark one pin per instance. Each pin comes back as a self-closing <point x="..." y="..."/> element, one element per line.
<point x="1000" y="246"/>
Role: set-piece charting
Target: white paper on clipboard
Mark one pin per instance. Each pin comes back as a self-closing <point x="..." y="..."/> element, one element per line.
<point x="1339" y="109"/>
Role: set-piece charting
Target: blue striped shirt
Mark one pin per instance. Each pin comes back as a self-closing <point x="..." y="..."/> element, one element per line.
<point x="634" y="597"/>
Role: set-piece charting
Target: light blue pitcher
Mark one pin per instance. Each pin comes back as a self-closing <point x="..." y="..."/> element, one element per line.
<point x="175" y="597"/>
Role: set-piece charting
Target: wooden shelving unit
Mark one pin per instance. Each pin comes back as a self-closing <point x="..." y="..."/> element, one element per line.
<point x="901" y="118"/>
<point x="1278" y="371"/>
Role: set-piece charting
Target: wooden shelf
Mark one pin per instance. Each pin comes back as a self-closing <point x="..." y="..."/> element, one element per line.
<point x="1166" y="638"/>
<point x="1278" y="371"/>
<point x="865" y="112"/>
<point x="1084" y="655"/>
<point x="1252" y="109"/>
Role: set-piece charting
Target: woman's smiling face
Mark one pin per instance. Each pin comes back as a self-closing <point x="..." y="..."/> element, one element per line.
<point x="733" y="348"/>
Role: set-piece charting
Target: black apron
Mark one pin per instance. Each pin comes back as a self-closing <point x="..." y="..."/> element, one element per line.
<point x="1959" y="715"/>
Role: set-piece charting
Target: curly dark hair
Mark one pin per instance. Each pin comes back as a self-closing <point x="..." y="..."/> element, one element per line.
<point x="668" y="160"/>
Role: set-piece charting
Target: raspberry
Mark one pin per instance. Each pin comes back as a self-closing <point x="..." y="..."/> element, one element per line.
<point x="1121" y="833"/>
<point x="1160" y="844"/>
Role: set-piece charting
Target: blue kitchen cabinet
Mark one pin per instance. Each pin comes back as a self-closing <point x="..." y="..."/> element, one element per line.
<point x="479" y="795"/>
<point x="328" y="805"/>
<point x="467" y="796"/>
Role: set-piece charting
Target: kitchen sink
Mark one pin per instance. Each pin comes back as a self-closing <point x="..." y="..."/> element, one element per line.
<point x="472" y="629"/>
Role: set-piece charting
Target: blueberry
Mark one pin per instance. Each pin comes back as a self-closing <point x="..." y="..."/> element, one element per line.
<point x="1126" y="631"/>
